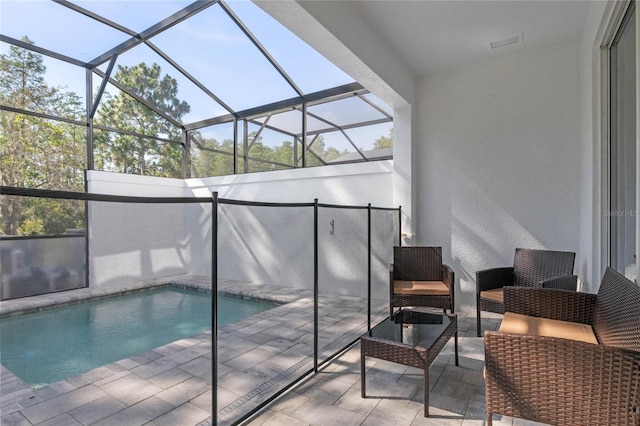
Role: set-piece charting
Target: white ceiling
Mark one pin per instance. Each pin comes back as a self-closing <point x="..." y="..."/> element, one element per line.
<point x="430" y="36"/>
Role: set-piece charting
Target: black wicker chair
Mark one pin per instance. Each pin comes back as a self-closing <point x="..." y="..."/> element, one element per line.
<point x="418" y="278"/>
<point x="531" y="268"/>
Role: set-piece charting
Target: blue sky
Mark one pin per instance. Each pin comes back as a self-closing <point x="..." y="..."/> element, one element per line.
<point x="209" y="46"/>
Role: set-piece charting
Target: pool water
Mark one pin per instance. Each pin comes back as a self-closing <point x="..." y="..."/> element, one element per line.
<point x="48" y="346"/>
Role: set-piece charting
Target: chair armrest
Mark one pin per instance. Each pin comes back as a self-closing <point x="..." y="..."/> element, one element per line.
<point x="447" y="276"/>
<point x="391" y="283"/>
<point x="494" y="278"/>
<point x="550" y="303"/>
<point x="534" y="377"/>
<point x="563" y="282"/>
<point x="449" y="281"/>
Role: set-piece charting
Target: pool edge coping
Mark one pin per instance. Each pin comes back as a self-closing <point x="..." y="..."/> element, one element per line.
<point x="33" y="304"/>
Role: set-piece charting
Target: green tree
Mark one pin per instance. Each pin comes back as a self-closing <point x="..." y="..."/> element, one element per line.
<point x="326" y="153"/>
<point x="263" y="158"/>
<point x="134" y="154"/>
<point x="284" y="153"/>
<point x="203" y="161"/>
<point x="318" y="148"/>
<point x="36" y="152"/>
<point x="384" y="141"/>
<point x="206" y="162"/>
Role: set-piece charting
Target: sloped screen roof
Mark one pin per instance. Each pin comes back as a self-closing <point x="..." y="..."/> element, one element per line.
<point x="211" y="63"/>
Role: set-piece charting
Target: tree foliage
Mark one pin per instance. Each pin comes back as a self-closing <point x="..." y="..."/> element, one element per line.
<point x="260" y="157"/>
<point x="264" y="158"/>
<point x="137" y="154"/>
<point x="384" y="141"/>
<point x="209" y="161"/>
<point x="41" y="153"/>
<point x="36" y="152"/>
<point x="327" y="154"/>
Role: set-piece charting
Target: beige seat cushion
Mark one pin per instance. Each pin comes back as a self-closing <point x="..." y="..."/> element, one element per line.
<point x="533" y="326"/>
<point x="495" y="294"/>
<point x="425" y="288"/>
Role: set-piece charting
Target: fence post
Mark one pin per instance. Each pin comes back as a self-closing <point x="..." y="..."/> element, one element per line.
<point x="214" y="307"/>
<point x="369" y="267"/>
<point x="315" y="286"/>
<point x="399" y="226"/>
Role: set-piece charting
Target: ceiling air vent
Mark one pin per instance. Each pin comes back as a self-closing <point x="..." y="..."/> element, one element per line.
<point x="506" y="42"/>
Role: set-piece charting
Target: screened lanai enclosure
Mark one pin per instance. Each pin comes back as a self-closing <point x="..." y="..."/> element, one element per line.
<point x="170" y="89"/>
<point x="178" y="90"/>
<point x="175" y="89"/>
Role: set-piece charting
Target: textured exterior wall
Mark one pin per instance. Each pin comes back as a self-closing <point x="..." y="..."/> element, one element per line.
<point x="500" y="161"/>
<point x="589" y="260"/>
<point x="340" y="184"/>
<point x="257" y="244"/>
<point x="275" y="246"/>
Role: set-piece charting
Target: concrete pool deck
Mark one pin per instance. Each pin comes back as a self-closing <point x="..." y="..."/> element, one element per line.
<point x="171" y="385"/>
<point x="257" y="356"/>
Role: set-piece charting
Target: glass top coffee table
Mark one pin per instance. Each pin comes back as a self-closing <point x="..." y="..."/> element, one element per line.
<point x="410" y="337"/>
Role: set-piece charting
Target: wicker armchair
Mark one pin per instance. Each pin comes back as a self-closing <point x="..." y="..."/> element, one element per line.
<point x="418" y="278"/>
<point x="531" y="268"/>
<point x="539" y="376"/>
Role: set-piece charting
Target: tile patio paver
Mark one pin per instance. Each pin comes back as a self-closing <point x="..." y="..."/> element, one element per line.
<point x="61" y="420"/>
<point x="170" y="378"/>
<point x="131" y="389"/>
<point x="319" y="412"/>
<point x="61" y="404"/>
<point x="15" y="419"/>
<point x="184" y="391"/>
<point x="154" y="368"/>
<point x="97" y="410"/>
<point x="172" y="384"/>
<point x="186" y="414"/>
<point x="138" y="414"/>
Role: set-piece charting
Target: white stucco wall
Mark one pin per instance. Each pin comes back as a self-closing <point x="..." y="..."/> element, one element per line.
<point x="265" y="245"/>
<point x="275" y="246"/>
<point x="134" y="185"/>
<point x="339" y="184"/>
<point x="500" y="161"/>
<point x="589" y="265"/>
<point x="132" y="242"/>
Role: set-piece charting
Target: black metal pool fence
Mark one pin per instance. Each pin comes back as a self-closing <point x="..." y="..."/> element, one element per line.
<point x="321" y="248"/>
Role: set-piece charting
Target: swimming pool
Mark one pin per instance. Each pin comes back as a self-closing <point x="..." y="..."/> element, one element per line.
<point x="48" y="346"/>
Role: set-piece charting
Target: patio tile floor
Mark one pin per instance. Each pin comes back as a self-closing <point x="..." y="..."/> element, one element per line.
<point x="394" y="392"/>
<point x="171" y="385"/>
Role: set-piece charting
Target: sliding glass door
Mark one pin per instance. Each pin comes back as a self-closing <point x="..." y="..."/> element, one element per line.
<point x="622" y="210"/>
